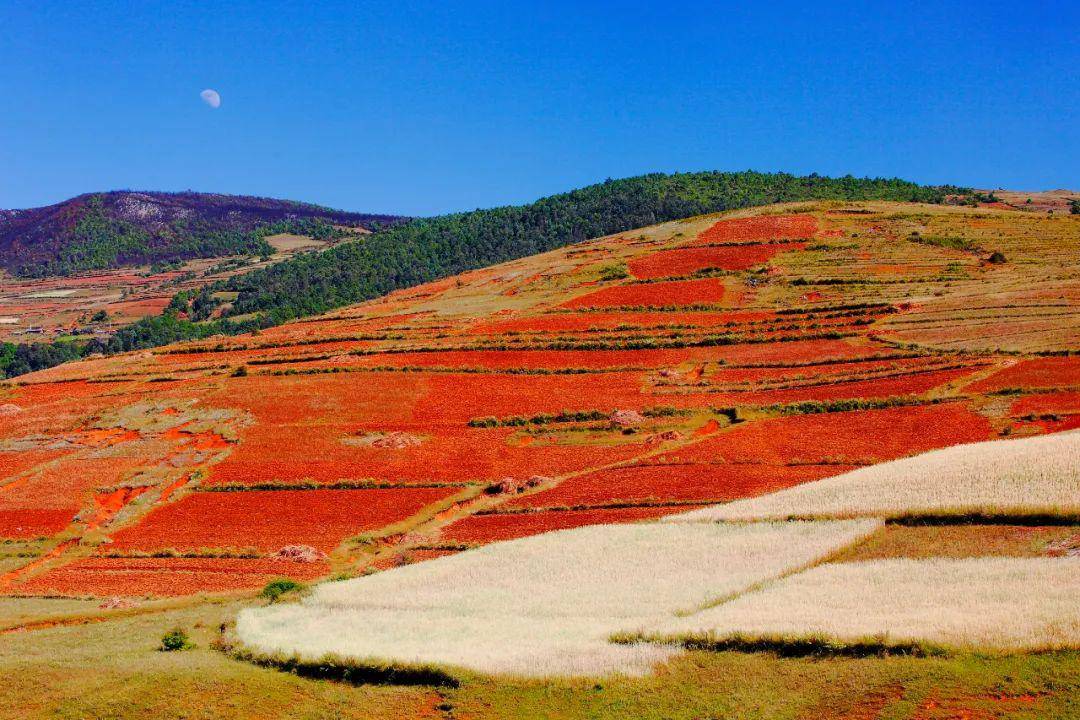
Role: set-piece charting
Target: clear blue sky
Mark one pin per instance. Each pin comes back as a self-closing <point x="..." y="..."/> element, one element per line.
<point x="422" y="108"/>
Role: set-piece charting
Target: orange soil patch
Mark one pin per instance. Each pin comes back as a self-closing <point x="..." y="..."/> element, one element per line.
<point x="107" y="504"/>
<point x="491" y="528"/>
<point x="756" y="229"/>
<point x="1047" y="372"/>
<point x="660" y="294"/>
<point x="269" y="520"/>
<point x="851" y="438"/>
<point x="675" y="483"/>
<point x="140" y="308"/>
<point x="686" y="261"/>
<point x="166" y="577"/>
<point x="990" y="706"/>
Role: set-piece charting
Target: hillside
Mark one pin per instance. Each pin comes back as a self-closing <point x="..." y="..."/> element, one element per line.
<point x="641" y="375"/>
<point x="124" y="228"/>
<point x="255" y="295"/>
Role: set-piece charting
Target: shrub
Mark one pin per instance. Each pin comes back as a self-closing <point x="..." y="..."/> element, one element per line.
<point x="175" y="639"/>
<point x="276" y="588"/>
<point x="614" y="272"/>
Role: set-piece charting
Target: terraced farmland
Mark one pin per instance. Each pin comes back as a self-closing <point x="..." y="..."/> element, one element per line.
<point x="748" y="367"/>
<point x="724" y="357"/>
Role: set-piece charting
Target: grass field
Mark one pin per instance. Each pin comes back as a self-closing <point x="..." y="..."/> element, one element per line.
<point x="1030" y="476"/>
<point x="974" y="604"/>
<point x="113" y="670"/>
<point x="542" y="605"/>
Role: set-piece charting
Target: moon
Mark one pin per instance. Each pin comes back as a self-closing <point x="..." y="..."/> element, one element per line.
<point x="211" y="98"/>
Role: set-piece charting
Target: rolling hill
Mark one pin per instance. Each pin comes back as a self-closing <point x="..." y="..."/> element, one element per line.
<point x="649" y="373"/>
<point x="125" y="228"/>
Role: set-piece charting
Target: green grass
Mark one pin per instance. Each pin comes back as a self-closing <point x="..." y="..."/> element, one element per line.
<point x="114" y="670"/>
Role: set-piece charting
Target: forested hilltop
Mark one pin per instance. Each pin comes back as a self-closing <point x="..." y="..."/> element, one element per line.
<point x="122" y="228"/>
<point x="430" y="248"/>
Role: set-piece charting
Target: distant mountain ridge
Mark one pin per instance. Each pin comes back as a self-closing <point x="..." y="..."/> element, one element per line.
<point x="124" y="227"/>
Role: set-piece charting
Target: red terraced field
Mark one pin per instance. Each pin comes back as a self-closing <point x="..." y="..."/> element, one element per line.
<point x="708" y="291"/>
<point x="1050" y="372"/>
<point x="164" y="577"/>
<point x="1047" y="403"/>
<point x="903" y="385"/>
<point x="541" y="359"/>
<point x="686" y="261"/>
<point x="269" y="520"/>
<point x="450" y="455"/>
<point x="34" y="522"/>
<point x="819" y="373"/>
<point x="856" y="438"/>
<point x="490" y="528"/>
<point x="311" y="426"/>
<point x="801" y="352"/>
<point x="49" y="500"/>
<point x="584" y="322"/>
<point x="14" y="463"/>
<point x="757" y="229"/>
<point x="675" y="483"/>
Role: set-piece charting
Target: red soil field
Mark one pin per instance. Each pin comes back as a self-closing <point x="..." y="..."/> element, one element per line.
<point x="13" y="463"/>
<point x="390" y="400"/>
<point x="1047" y="372"/>
<point x="491" y="528"/>
<point x="167" y="577"/>
<point x="1047" y="404"/>
<point x="542" y="359"/>
<point x="772" y="227"/>
<point x="853" y="438"/>
<point x="34" y="522"/>
<point x="913" y="384"/>
<point x="269" y="520"/>
<point x="816" y="373"/>
<point x="453" y="455"/>
<point x="675" y="483"/>
<point x="64" y="488"/>
<point x="801" y="351"/>
<point x="566" y="322"/>
<point x="679" y="292"/>
<point x="686" y="261"/>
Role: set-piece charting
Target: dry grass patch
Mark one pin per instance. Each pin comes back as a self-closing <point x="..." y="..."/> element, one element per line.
<point x="543" y="605"/>
<point x="998" y="604"/>
<point x="1026" y="477"/>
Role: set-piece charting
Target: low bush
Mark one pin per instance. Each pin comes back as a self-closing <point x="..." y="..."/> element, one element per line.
<point x="174" y="640"/>
<point x="276" y="588"/>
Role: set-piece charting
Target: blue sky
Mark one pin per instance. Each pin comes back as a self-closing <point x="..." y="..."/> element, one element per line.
<point x="422" y="108"/>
